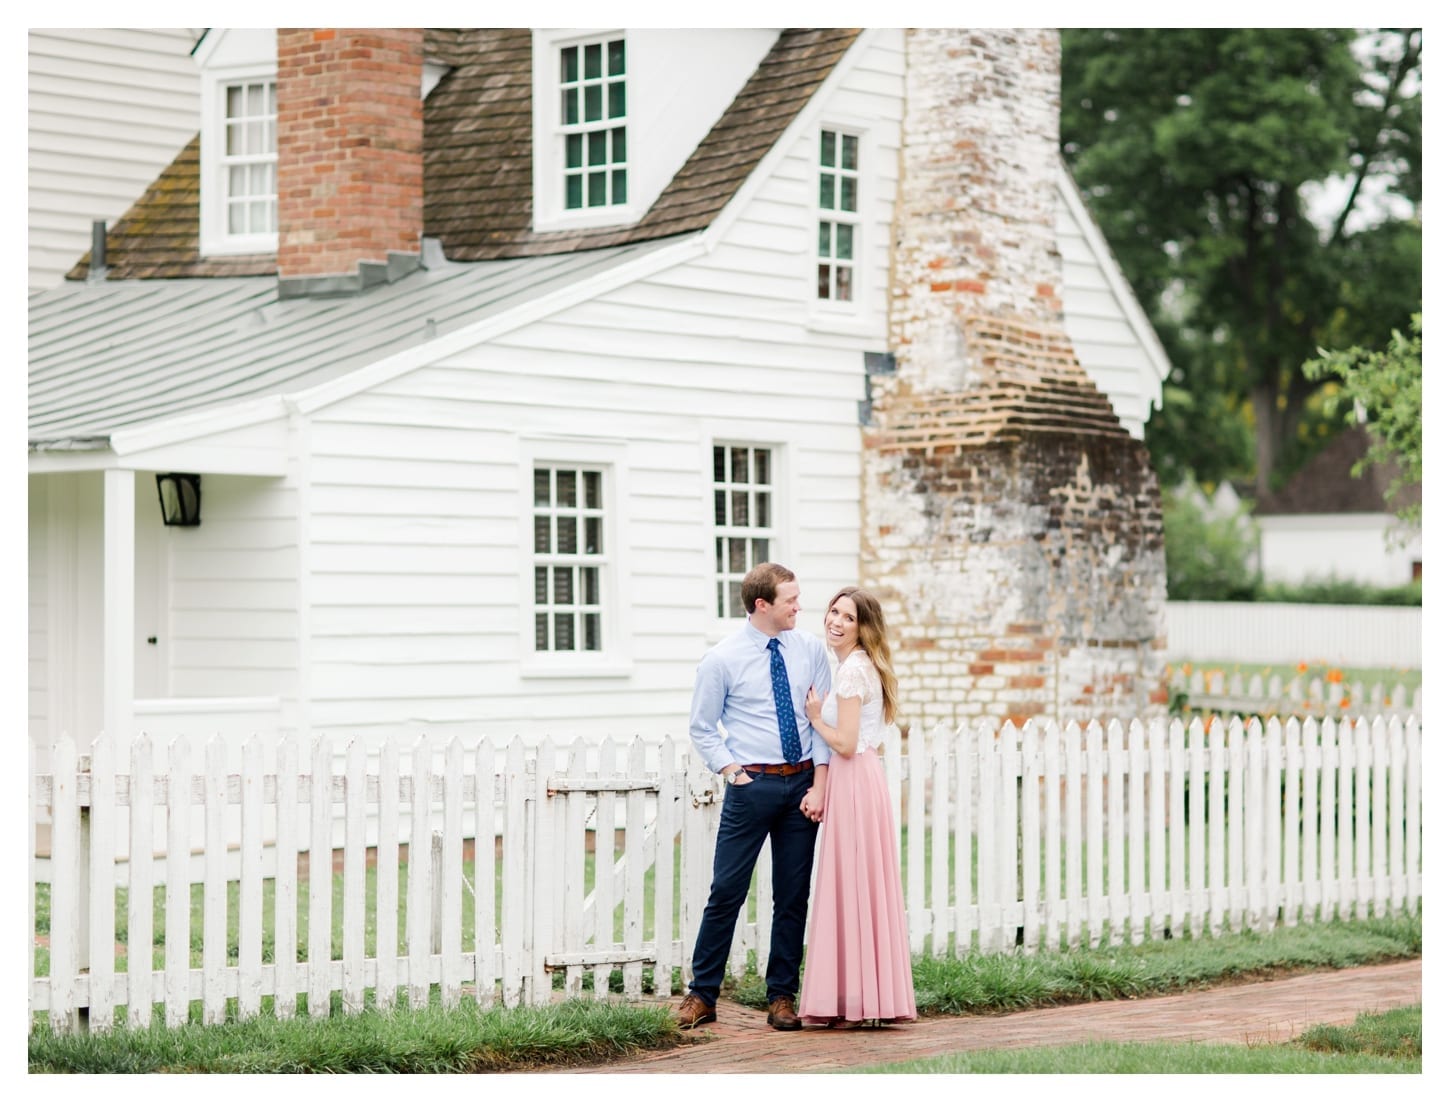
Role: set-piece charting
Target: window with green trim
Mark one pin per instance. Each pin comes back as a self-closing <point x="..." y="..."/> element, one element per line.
<point x="592" y="118"/>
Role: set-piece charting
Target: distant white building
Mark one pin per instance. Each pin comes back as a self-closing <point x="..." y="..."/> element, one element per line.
<point x="1327" y="523"/>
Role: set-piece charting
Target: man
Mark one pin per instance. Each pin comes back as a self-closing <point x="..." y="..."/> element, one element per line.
<point x="754" y="684"/>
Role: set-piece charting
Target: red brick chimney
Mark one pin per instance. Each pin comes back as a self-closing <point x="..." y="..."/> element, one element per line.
<point x="349" y="151"/>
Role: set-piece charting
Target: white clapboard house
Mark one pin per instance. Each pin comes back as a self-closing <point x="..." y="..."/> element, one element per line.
<point x="465" y="413"/>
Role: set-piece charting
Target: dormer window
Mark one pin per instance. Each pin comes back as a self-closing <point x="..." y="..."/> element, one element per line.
<point x="249" y="161"/>
<point x="591" y="119"/>
<point x="238" y="141"/>
<point x="839" y="219"/>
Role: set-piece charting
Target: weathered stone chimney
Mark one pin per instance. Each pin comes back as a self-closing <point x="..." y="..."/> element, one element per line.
<point x="349" y="155"/>
<point x="1012" y="526"/>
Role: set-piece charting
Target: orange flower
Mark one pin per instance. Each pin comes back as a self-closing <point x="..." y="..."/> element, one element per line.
<point x="1389" y="703"/>
<point x="1187" y="667"/>
<point x="1344" y="702"/>
<point x="1302" y="667"/>
<point x="1334" y="677"/>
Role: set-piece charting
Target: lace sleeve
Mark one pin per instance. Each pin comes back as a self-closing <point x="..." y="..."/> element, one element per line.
<point x="854" y="678"/>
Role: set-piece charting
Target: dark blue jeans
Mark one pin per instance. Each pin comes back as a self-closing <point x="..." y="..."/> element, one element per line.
<point x="769" y="806"/>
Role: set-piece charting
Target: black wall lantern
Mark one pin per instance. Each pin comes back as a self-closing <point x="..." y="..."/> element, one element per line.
<point x="180" y="499"/>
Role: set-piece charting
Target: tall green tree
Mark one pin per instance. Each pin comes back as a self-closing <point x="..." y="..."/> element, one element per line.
<point x="1384" y="386"/>
<point x="1198" y="150"/>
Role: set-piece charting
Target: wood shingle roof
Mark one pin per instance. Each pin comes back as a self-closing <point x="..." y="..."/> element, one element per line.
<point x="478" y="162"/>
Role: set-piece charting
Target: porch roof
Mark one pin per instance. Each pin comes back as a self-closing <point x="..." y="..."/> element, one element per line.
<point x="112" y="355"/>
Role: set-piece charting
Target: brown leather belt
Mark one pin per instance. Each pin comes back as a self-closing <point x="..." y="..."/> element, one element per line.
<point x="781" y="769"/>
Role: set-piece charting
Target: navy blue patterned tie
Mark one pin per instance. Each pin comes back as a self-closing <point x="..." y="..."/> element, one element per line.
<point x="790" y="736"/>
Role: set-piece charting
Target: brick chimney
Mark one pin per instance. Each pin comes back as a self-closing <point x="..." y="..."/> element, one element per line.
<point x="349" y="155"/>
<point x="1012" y="526"/>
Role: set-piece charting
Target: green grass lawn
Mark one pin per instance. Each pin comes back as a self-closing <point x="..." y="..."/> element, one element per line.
<point x="585" y="1031"/>
<point x="1386" y="1043"/>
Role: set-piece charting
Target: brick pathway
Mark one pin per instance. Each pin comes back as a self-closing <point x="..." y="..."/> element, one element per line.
<point x="1253" y="1013"/>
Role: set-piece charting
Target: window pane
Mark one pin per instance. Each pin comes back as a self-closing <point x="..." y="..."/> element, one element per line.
<point x="593" y="536"/>
<point x="762" y="510"/>
<point x="564" y="489"/>
<point x="573" y="191"/>
<point x="563" y="631"/>
<point x="617" y="153"/>
<point x="848" y="193"/>
<point x="570" y="113"/>
<point x="739" y="464"/>
<point x="828" y="148"/>
<point x="541" y="585"/>
<point x="719" y="463"/>
<point x="592" y="54"/>
<point x="574" y="151"/>
<point x="589" y="585"/>
<point x="616" y="57"/>
<point x="828" y="191"/>
<point x="541" y="535"/>
<point x="593" y="103"/>
<point x="843" y="284"/>
<point x="738" y="564"/>
<point x="845" y="241"/>
<point x="593" y="498"/>
<point x="719" y="506"/>
<point x="616" y="100"/>
<point x="591" y="631"/>
<point x="720" y="554"/>
<point x="563" y="585"/>
<point x="761" y="550"/>
<point x="598" y="153"/>
<point x="762" y="465"/>
<point x="235" y="94"/>
<point x="568" y="532"/>
<point x="618" y="194"/>
<point x="848" y="152"/>
<point x="569" y="64"/>
<point x="596" y="189"/>
<point x="823" y="281"/>
<point x="541" y="631"/>
<point x="824" y="240"/>
<point x="541" y="486"/>
<point x="739" y="508"/>
<point x="236" y="218"/>
<point x="734" y="606"/>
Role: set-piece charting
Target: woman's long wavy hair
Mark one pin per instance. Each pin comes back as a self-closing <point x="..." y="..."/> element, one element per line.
<point x="871" y="630"/>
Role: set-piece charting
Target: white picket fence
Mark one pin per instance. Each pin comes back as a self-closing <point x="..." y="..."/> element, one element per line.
<point x="1192" y="832"/>
<point x="1215" y="691"/>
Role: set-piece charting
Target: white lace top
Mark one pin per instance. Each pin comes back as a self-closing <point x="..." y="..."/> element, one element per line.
<point x="857" y="677"/>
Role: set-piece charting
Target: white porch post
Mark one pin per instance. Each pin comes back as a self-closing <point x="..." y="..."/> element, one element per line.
<point x="118" y="618"/>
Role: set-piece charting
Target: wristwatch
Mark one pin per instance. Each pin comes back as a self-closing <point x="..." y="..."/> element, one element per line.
<point x="730" y="778"/>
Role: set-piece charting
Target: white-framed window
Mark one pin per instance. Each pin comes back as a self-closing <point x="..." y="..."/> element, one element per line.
<point x="745" y="483"/>
<point x="574" y="616"/>
<point x="582" y="169"/>
<point x="838" y="217"/>
<point x="238" y="142"/>
<point x="569" y="558"/>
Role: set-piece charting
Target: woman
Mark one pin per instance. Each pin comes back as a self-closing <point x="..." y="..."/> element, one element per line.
<point x="858" y="955"/>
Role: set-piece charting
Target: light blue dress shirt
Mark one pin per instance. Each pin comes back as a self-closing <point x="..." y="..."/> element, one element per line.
<point x="733" y="690"/>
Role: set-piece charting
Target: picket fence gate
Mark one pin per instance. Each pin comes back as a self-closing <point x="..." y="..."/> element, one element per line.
<point x="1196" y="831"/>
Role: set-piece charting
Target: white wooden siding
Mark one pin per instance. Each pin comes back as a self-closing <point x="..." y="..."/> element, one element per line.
<point x="1120" y="352"/>
<point x="108" y="110"/>
<point x="38" y="637"/>
<point x="233" y="592"/>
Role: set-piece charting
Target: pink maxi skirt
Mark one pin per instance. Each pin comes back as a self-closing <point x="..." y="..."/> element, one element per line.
<point x="858" y="954"/>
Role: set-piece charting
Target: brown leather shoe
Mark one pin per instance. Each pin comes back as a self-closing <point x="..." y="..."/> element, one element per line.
<point x="694" y="1011"/>
<point x="782" y="1014"/>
